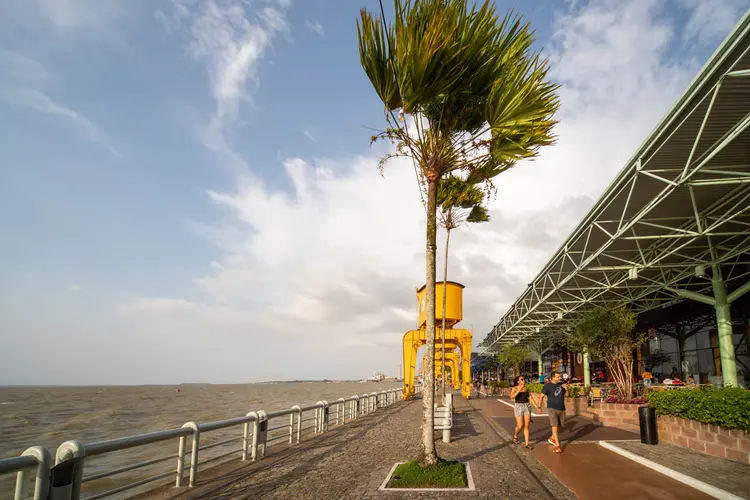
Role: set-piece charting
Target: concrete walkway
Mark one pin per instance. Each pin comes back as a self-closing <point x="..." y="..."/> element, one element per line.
<point x="588" y="469"/>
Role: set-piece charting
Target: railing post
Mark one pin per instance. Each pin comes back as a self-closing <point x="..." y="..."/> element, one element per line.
<point x="41" y="483"/>
<point x="341" y="409"/>
<point x="246" y="435"/>
<point x="299" y="425"/>
<point x="194" y="453"/>
<point x="319" y="417"/>
<point x="326" y="416"/>
<point x="296" y="409"/>
<point x="71" y="450"/>
<point x="180" y="462"/>
<point x="260" y="433"/>
<point x="356" y="407"/>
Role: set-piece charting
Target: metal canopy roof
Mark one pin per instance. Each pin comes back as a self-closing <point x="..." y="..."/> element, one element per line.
<point x="682" y="200"/>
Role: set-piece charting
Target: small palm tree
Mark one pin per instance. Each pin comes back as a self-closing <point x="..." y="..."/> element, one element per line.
<point x="462" y="92"/>
<point x="460" y="201"/>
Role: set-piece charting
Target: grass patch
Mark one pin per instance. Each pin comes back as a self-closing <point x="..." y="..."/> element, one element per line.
<point x="445" y="474"/>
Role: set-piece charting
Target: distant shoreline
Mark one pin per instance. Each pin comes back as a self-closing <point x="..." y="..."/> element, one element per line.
<point x="188" y="384"/>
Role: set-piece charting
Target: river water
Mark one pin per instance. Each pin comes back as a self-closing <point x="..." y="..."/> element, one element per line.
<point x="48" y="416"/>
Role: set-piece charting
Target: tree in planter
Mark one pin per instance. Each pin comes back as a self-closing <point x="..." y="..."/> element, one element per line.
<point x="460" y="201"/>
<point x="607" y="333"/>
<point x="513" y="355"/>
<point x="476" y="99"/>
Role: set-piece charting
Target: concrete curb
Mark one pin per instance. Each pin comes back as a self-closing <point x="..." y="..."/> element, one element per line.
<point x="677" y="476"/>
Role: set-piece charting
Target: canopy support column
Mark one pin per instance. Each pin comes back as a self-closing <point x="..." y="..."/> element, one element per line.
<point x="586" y="369"/>
<point x="721" y="302"/>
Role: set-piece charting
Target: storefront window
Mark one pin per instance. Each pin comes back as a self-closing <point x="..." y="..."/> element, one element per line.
<point x="706" y="366"/>
<point x="668" y="344"/>
<point x="690" y="343"/>
<point x="703" y="339"/>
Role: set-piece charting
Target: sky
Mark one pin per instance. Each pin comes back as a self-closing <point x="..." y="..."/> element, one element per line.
<point x="188" y="192"/>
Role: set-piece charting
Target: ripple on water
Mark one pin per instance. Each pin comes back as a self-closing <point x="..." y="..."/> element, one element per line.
<point x="52" y="415"/>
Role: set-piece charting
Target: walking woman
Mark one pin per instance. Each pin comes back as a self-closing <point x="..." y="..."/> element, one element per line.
<point x="522" y="411"/>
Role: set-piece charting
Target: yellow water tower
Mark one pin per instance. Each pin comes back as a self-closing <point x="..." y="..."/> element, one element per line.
<point x="453" y="306"/>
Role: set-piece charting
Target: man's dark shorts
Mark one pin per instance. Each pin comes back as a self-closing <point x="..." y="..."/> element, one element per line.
<point x="556" y="417"/>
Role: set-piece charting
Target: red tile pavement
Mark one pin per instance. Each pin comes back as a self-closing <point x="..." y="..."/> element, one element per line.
<point x="586" y="468"/>
<point x="576" y="429"/>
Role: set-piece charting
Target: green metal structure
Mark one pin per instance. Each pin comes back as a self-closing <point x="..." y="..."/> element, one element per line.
<point x="674" y="224"/>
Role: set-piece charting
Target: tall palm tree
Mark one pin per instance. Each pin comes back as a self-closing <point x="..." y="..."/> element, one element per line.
<point x="460" y="201"/>
<point x="463" y="92"/>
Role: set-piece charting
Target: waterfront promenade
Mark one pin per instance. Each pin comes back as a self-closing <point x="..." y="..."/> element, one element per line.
<point x="352" y="461"/>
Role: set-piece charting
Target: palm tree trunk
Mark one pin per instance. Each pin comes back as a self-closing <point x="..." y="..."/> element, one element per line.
<point x="445" y="300"/>
<point x="429" y="454"/>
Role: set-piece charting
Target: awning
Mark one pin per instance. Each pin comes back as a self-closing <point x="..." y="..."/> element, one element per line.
<point x="681" y="204"/>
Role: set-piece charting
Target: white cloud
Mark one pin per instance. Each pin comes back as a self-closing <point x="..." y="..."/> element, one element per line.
<point x="73" y="287"/>
<point x="233" y="39"/>
<point x="323" y="276"/>
<point x="23" y="86"/>
<point x="49" y="25"/>
<point x="309" y="135"/>
<point x="710" y="21"/>
<point x="315" y="26"/>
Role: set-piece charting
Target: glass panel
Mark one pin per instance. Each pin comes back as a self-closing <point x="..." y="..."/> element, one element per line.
<point x="703" y="339"/>
<point x="661" y="364"/>
<point x="690" y="343"/>
<point x="689" y="365"/>
<point x="706" y="365"/>
<point x="653" y="344"/>
<point x="668" y="344"/>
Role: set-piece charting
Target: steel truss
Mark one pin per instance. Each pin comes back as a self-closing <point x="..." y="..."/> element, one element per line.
<point x="682" y="201"/>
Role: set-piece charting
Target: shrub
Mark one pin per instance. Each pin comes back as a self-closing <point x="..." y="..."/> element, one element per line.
<point x="615" y="397"/>
<point x="728" y="407"/>
<point x="535" y="388"/>
<point x="574" y="391"/>
<point x="504" y="384"/>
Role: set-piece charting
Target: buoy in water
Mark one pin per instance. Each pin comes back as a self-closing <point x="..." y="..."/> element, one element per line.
<point x="177" y="390"/>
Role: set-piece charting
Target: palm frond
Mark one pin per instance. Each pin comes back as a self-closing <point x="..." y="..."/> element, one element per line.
<point x="376" y="58"/>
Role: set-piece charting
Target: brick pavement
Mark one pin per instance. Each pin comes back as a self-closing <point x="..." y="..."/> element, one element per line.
<point x="586" y="468"/>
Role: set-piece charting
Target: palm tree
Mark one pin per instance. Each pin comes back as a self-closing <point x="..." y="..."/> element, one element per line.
<point x="462" y="92"/>
<point x="460" y="201"/>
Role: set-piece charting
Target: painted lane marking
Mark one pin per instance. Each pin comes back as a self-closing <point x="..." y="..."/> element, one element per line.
<point x="677" y="476"/>
<point x="532" y="413"/>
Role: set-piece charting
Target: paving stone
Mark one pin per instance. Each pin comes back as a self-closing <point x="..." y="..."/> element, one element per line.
<point x="719" y="472"/>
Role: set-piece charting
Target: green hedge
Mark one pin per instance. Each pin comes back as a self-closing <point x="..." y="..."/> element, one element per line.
<point x="573" y="391"/>
<point x="535" y="388"/>
<point x="728" y="407"/>
<point x="499" y="383"/>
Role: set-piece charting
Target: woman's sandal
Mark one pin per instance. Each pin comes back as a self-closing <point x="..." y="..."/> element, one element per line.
<point x="516" y="441"/>
<point x="528" y="446"/>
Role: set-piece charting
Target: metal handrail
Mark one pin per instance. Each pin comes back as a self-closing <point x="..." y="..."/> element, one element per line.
<point x="254" y="439"/>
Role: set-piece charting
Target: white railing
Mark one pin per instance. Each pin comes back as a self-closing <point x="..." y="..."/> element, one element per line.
<point x="65" y="479"/>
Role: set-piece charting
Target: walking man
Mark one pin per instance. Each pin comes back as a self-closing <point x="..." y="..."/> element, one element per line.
<point x="554" y="390"/>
